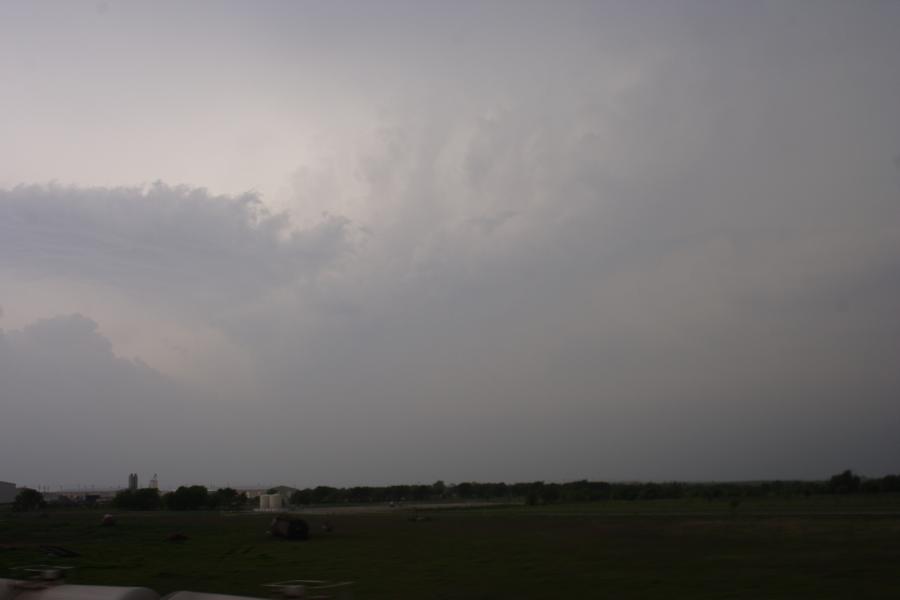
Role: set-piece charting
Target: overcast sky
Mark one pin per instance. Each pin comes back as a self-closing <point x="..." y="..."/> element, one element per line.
<point x="388" y="242"/>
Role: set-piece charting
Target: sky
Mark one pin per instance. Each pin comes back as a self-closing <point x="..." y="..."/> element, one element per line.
<point x="346" y="243"/>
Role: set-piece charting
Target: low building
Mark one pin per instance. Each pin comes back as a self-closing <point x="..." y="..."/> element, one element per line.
<point x="7" y="492"/>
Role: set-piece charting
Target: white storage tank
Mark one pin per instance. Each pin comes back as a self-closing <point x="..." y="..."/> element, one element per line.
<point x="275" y="501"/>
<point x="264" y="502"/>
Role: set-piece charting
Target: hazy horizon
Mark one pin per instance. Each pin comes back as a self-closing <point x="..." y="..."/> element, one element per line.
<point x="351" y="243"/>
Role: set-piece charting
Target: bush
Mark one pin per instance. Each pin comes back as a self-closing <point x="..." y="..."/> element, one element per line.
<point x="28" y="499"/>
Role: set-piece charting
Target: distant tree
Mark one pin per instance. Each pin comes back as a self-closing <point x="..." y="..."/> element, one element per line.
<point x="142" y="499"/>
<point x="809" y="488"/>
<point x="324" y="494"/>
<point x="535" y="493"/>
<point x="301" y="497"/>
<point x="576" y="491"/>
<point x="871" y="486"/>
<point x="625" y="491"/>
<point x="359" y="494"/>
<point x="192" y="497"/>
<point x="712" y="492"/>
<point x="844" y="483"/>
<point x="600" y="490"/>
<point x="465" y="490"/>
<point x="498" y="490"/>
<point x="123" y="499"/>
<point x="398" y="493"/>
<point x="421" y="492"/>
<point x="224" y="498"/>
<point x="28" y="499"/>
<point x="438" y="488"/>
<point x="551" y="493"/>
<point x="890" y="483"/>
<point x="650" y="491"/>
<point x="147" y="499"/>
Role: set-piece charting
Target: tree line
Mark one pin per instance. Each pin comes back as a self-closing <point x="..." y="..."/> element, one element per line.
<point x="198" y="497"/>
<point x="192" y="497"/>
<point x="539" y="492"/>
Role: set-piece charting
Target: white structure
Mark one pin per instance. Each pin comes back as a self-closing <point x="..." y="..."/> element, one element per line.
<point x="7" y="492"/>
<point x="154" y="483"/>
<point x="270" y="502"/>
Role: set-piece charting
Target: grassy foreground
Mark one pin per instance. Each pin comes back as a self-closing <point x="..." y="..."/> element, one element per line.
<point x="803" y="548"/>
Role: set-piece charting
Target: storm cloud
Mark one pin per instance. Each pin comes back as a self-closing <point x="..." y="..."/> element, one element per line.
<point x="614" y="241"/>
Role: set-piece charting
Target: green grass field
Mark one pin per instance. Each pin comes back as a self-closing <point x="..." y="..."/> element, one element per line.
<point x="827" y="547"/>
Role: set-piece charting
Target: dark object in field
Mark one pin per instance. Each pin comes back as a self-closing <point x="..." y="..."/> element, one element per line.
<point x="59" y="551"/>
<point x="177" y="537"/>
<point x="327" y="527"/>
<point x="289" y="529"/>
<point x="419" y="519"/>
<point x="108" y="520"/>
